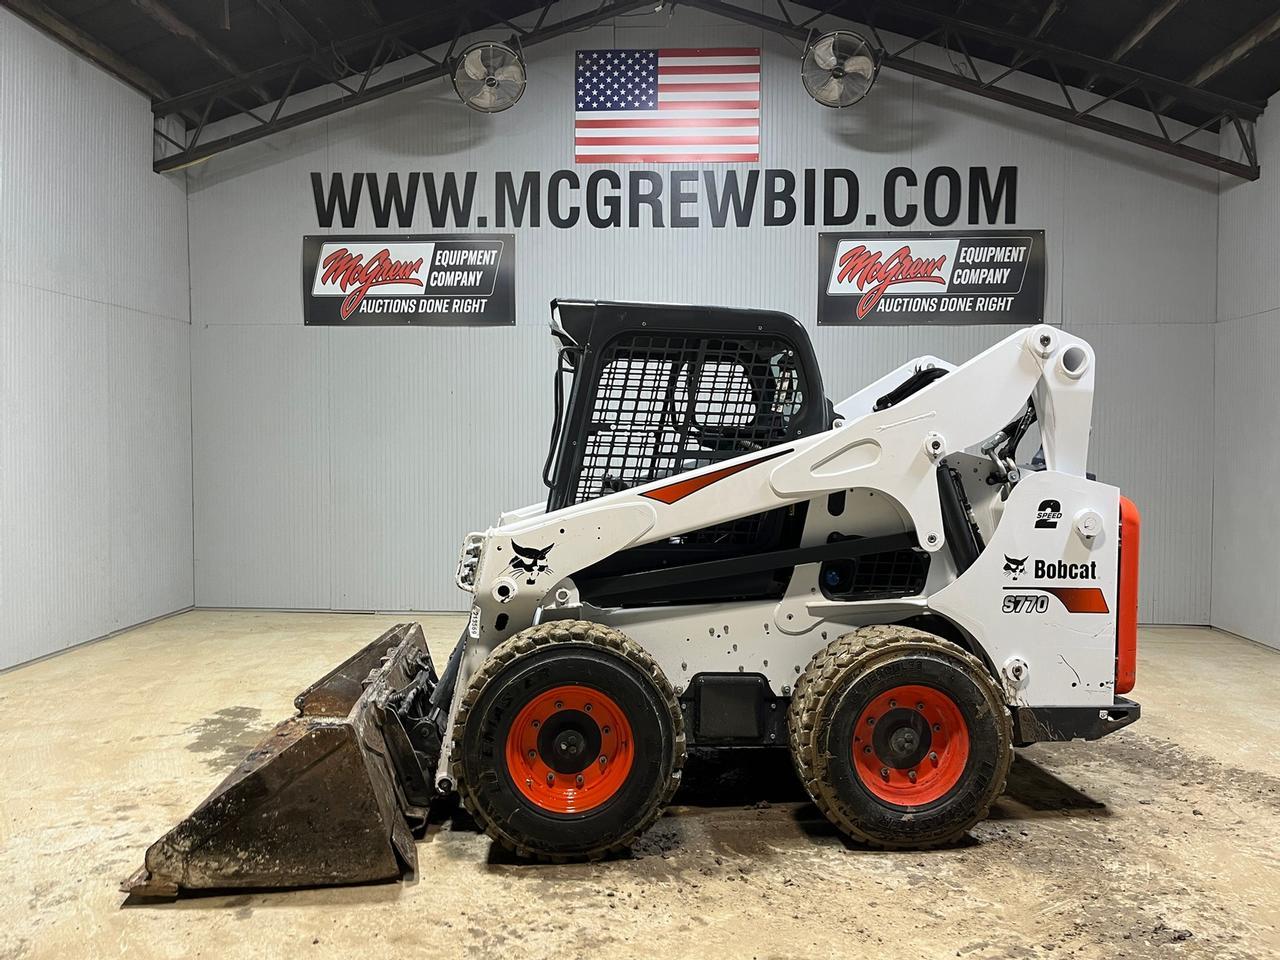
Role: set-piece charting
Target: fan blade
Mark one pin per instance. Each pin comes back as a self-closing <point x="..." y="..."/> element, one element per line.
<point x="813" y="76"/>
<point x="511" y="89"/>
<point x="473" y="64"/>
<point x="467" y="88"/>
<point x="830" y="92"/>
<point x="496" y="57"/>
<point x="512" y="71"/>
<point x="861" y="66"/>
<point x="823" y="55"/>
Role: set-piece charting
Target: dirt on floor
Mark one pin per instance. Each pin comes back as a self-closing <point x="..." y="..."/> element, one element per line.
<point x="1160" y="841"/>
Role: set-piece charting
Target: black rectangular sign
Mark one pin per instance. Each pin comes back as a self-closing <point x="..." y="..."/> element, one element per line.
<point x="955" y="277"/>
<point x="380" y="280"/>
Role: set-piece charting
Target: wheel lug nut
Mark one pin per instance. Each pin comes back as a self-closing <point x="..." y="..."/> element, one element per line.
<point x="893" y="703"/>
<point x="603" y="760"/>
<point x="606" y="729"/>
<point x="937" y="727"/>
<point x="911" y="775"/>
<point x="533" y="754"/>
<point x="536" y="724"/>
<point x="934" y="758"/>
<point x="871" y="721"/>
<point x="559" y="704"/>
<point x="587" y="708"/>
<point x="551" y="779"/>
<point x="884" y="773"/>
<point x="920" y="706"/>
<point x="867" y="748"/>
<point x="579" y="779"/>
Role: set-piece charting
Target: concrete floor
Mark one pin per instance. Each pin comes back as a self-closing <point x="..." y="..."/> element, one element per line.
<point x="1163" y="840"/>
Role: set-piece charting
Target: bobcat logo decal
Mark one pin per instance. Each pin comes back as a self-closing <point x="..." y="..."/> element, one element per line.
<point x="1013" y="567"/>
<point x="531" y="561"/>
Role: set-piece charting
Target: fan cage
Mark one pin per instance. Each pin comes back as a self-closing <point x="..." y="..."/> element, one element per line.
<point x="808" y="64"/>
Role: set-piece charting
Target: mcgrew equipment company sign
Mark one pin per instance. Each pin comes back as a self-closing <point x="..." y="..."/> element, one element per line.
<point x="394" y="280"/>
<point x="972" y="276"/>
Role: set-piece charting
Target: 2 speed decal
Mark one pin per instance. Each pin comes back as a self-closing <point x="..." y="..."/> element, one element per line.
<point x="1048" y="514"/>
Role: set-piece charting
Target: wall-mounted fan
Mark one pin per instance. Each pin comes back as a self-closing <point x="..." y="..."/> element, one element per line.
<point x="489" y="77"/>
<point x="839" y="68"/>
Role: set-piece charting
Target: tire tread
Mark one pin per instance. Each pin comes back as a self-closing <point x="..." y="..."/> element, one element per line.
<point x="822" y="676"/>
<point x="526" y="643"/>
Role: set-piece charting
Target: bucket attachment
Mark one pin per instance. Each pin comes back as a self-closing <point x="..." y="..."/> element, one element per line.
<point x="332" y="795"/>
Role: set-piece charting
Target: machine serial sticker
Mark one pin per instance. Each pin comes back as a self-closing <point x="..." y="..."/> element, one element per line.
<point x="473" y="624"/>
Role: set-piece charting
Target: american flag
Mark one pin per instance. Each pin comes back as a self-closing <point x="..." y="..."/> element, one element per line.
<point x="667" y="106"/>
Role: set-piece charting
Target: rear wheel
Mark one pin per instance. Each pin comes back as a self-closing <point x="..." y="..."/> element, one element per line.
<point x="568" y="742"/>
<point x="901" y="738"/>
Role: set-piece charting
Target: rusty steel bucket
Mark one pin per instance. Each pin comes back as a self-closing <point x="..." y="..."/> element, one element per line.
<point x="330" y="796"/>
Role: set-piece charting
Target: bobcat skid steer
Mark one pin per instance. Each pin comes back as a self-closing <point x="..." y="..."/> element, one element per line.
<point x="898" y="588"/>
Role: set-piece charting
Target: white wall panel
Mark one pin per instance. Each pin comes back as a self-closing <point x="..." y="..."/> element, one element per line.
<point x="472" y="413"/>
<point x="1152" y="420"/>
<point x="1246" y="508"/>
<point x="263" y="466"/>
<point x="95" y="435"/>
<point x="1249" y="232"/>
<point x="81" y="211"/>
<point x="1131" y="247"/>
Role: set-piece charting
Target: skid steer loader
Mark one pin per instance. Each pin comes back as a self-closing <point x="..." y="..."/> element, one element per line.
<point x="898" y="588"/>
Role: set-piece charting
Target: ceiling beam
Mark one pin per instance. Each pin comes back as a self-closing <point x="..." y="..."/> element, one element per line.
<point x="1050" y="14"/>
<point x="1237" y="112"/>
<point x="72" y="36"/>
<point x="864" y="10"/>
<point x="170" y="21"/>
<point x="1250" y="42"/>
<point x="605" y="10"/>
<point x="290" y="27"/>
<point x="347" y="48"/>
<point x="1138" y="35"/>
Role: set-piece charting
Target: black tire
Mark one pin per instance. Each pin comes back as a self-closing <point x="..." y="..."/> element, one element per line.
<point x="845" y="686"/>
<point x="567" y="653"/>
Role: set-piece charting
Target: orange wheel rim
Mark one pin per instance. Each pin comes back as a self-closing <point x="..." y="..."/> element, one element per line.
<point x="910" y="745"/>
<point x="570" y="749"/>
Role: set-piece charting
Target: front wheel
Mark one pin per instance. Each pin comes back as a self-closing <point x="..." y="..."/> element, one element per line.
<point x="901" y="738"/>
<point x="568" y="742"/>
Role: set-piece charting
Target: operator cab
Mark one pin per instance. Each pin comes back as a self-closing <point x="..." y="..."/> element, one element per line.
<point x="647" y="391"/>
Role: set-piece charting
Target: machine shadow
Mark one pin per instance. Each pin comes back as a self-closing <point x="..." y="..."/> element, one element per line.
<point x="1034" y="791"/>
<point x="717" y="780"/>
<point x="746" y="777"/>
<point x="741" y="777"/>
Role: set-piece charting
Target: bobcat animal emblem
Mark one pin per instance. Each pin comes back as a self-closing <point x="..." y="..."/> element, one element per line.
<point x="531" y="561"/>
<point x="1013" y="567"/>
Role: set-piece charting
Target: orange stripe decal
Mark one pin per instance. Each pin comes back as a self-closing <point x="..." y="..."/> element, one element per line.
<point x="683" y="488"/>
<point x="1075" y="599"/>
<point x="1079" y="599"/>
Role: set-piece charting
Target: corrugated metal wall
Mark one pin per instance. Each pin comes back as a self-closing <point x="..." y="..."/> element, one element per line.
<point x="95" y="441"/>
<point x="339" y="468"/>
<point x="1246" y="507"/>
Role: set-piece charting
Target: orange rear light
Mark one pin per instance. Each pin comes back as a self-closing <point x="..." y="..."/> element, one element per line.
<point x="1127" y="598"/>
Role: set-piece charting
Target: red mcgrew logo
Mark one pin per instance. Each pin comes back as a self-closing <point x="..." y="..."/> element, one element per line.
<point x="352" y="274"/>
